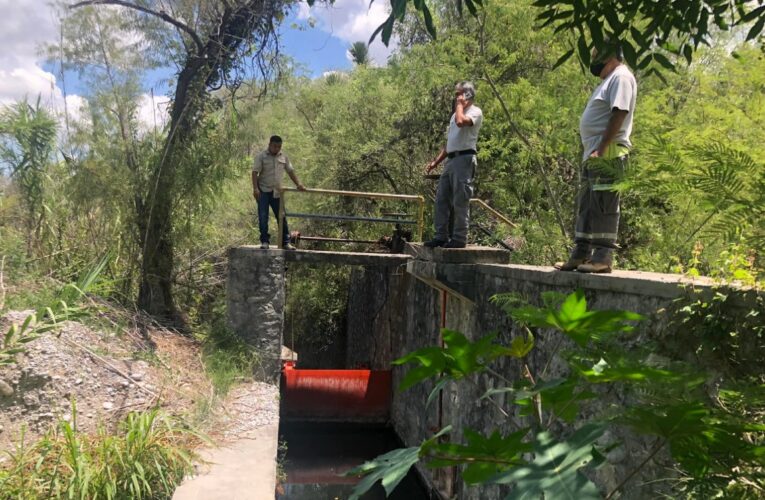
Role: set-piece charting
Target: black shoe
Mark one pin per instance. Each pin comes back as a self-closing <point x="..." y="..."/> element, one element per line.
<point x="455" y="244"/>
<point x="434" y="243"/>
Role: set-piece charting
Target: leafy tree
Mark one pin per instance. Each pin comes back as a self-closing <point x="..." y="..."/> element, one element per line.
<point x="359" y="52"/>
<point x="649" y="29"/>
<point x="106" y="153"/>
<point x="27" y="140"/>
<point x="214" y="44"/>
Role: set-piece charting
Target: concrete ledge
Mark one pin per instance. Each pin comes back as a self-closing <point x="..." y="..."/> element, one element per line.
<point x="459" y="279"/>
<point x="468" y="255"/>
<point x="243" y="470"/>
<point x="633" y="282"/>
<point x="332" y="258"/>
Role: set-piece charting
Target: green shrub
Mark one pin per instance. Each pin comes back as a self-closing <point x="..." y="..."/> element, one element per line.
<point x="146" y="459"/>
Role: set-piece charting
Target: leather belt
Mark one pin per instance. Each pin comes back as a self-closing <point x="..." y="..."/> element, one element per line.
<point x="455" y="154"/>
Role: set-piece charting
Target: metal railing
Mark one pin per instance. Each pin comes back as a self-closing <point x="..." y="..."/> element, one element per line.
<point x="493" y="211"/>
<point x="353" y="194"/>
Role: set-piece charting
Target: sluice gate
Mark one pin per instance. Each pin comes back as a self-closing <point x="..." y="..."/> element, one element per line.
<point x="335" y="395"/>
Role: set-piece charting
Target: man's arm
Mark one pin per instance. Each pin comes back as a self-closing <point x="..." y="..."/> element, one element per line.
<point x="460" y="118"/>
<point x="433" y="164"/>
<point x="295" y="179"/>
<point x="614" y="124"/>
<point x="255" y="190"/>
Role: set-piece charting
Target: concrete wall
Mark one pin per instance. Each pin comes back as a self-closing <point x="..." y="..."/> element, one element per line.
<point x="468" y="288"/>
<point x="392" y="313"/>
<point x="255" y="303"/>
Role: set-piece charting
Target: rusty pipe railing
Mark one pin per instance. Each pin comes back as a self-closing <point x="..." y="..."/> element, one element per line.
<point x="493" y="211"/>
<point x="355" y="194"/>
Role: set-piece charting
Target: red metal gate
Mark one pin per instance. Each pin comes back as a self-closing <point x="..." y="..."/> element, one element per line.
<point x="335" y="395"/>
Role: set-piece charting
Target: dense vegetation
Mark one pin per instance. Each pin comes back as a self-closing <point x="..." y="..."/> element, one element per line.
<point x="165" y="202"/>
<point x="692" y="201"/>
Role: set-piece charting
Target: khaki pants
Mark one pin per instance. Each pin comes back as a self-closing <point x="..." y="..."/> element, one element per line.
<point x="597" y="222"/>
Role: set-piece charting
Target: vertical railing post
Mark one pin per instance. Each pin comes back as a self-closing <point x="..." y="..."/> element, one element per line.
<point x="420" y="218"/>
<point x="281" y="218"/>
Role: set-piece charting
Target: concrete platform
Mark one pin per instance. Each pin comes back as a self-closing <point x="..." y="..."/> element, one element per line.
<point x="632" y="282"/>
<point x="469" y="255"/>
<point x="460" y="280"/>
<point x="331" y="258"/>
<point x="243" y="470"/>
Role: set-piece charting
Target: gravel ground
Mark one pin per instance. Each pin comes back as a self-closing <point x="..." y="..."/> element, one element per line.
<point x="106" y="376"/>
<point x="248" y="407"/>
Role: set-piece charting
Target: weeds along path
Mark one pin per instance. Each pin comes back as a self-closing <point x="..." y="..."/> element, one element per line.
<point x="106" y="372"/>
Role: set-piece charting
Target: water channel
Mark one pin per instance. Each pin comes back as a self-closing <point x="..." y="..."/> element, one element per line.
<point x="317" y="454"/>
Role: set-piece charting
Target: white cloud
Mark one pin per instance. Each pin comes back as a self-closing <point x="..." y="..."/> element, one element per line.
<point x="304" y="11"/>
<point x="76" y="107"/>
<point x="153" y="112"/>
<point x="25" y="26"/>
<point x="27" y="80"/>
<point x="353" y="21"/>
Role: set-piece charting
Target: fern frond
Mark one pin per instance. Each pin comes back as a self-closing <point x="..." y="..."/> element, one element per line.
<point x="729" y="224"/>
<point x="721" y="184"/>
<point x="720" y="154"/>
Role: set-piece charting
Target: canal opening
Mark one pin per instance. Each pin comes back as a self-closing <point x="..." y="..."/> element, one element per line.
<point x="336" y="382"/>
<point x="315" y="455"/>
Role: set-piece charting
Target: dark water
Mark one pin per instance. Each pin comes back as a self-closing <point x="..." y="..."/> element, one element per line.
<point x="317" y="455"/>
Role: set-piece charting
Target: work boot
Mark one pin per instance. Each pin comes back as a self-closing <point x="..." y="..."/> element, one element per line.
<point x="455" y="244"/>
<point x="595" y="267"/>
<point x="579" y="255"/>
<point x="572" y="264"/>
<point x="434" y="243"/>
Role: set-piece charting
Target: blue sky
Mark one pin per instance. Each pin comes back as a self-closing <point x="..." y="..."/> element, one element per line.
<point x="314" y="48"/>
<point x="27" y="24"/>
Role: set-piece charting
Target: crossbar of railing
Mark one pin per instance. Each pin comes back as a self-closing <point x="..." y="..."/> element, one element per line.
<point x="353" y="194"/>
<point x="349" y="218"/>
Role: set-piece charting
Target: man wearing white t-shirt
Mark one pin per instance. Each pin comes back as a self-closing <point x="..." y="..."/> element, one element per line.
<point x="455" y="186"/>
<point x="605" y="129"/>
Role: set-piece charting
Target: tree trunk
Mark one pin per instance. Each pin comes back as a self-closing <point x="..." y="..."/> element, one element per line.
<point x="155" y="295"/>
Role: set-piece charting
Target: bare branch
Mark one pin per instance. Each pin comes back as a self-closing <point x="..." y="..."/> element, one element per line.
<point x="2" y="286"/>
<point x="161" y="14"/>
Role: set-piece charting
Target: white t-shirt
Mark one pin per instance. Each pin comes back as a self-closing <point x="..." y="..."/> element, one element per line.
<point x="618" y="90"/>
<point x="460" y="139"/>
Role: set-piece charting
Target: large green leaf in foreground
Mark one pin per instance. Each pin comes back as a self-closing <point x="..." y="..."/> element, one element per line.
<point x="554" y="472"/>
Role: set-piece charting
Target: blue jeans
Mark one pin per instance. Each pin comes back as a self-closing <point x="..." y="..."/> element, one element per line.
<point x="266" y="200"/>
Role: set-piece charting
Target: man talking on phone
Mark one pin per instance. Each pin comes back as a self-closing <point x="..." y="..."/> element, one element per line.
<point x="455" y="186"/>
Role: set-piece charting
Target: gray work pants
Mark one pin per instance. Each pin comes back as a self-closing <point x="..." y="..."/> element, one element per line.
<point x="455" y="188"/>
<point x="597" y="222"/>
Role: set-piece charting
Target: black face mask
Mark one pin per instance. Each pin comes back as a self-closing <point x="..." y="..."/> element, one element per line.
<point x="597" y="68"/>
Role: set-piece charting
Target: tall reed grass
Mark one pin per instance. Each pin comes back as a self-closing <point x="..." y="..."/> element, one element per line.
<point x="146" y="459"/>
